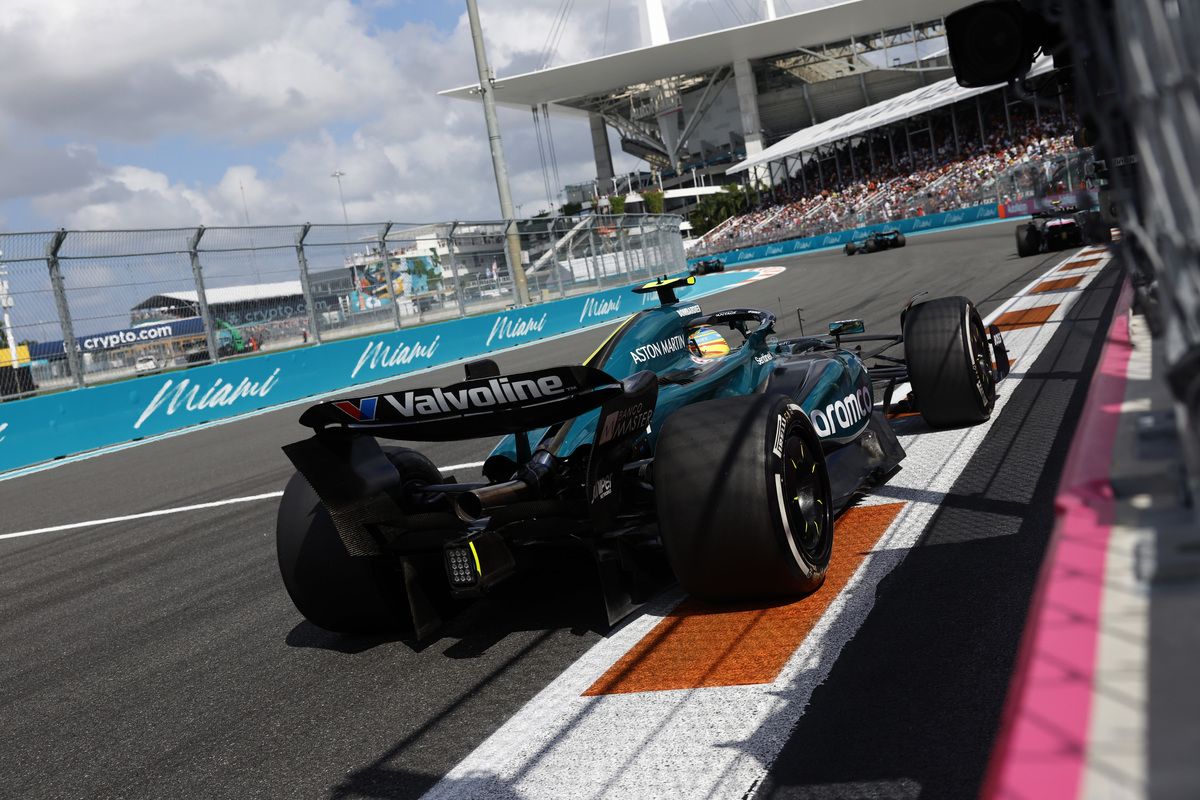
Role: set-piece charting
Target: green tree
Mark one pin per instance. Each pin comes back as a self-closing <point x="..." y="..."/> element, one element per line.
<point x="616" y="203"/>
<point x="654" y="201"/>
<point x="713" y="209"/>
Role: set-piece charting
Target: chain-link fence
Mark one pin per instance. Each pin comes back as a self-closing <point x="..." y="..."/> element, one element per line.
<point x="85" y="307"/>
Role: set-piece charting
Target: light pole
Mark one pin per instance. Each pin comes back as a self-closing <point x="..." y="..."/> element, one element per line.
<point x="6" y="302"/>
<point x="486" y="88"/>
<point x="337" y="175"/>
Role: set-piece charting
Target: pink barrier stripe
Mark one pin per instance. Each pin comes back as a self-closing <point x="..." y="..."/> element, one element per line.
<point x="1042" y="745"/>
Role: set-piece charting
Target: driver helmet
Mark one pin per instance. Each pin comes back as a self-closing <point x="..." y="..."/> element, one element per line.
<point x="706" y="342"/>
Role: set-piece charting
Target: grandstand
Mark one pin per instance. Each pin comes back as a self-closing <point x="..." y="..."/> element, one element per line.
<point x="692" y="107"/>
<point x="933" y="149"/>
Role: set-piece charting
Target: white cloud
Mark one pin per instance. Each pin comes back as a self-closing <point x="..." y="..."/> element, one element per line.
<point x="313" y="80"/>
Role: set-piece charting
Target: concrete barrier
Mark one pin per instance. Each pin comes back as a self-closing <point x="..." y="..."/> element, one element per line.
<point x="51" y="426"/>
<point x="791" y="247"/>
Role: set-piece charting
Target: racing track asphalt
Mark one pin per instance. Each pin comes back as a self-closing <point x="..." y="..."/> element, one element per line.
<point x="161" y="657"/>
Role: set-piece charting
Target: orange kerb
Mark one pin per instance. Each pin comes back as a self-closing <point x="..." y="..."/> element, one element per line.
<point x="1058" y="284"/>
<point x="704" y="645"/>
<point x="1025" y="318"/>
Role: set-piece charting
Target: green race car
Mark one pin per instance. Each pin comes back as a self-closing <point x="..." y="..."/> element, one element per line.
<point x="724" y="464"/>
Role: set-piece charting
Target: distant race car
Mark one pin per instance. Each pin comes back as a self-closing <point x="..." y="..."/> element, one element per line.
<point x="1059" y="228"/>
<point x="667" y="453"/>
<point x="706" y="265"/>
<point x="875" y="241"/>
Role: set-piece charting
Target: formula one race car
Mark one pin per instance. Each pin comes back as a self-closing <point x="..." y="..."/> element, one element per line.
<point x="875" y="241"/>
<point x="707" y="265"/>
<point x="729" y="465"/>
<point x="1059" y="228"/>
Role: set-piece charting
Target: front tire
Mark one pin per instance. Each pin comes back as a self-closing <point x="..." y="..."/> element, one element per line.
<point x="949" y="362"/>
<point x="331" y="588"/>
<point x="743" y="499"/>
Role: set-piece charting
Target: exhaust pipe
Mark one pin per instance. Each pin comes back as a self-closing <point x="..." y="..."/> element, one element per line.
<point x="475" y="504"/>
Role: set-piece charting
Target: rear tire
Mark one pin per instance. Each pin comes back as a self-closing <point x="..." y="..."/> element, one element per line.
<point x="331" y="588"/>
<point x="743" y="498"/>
<point x="900" y="240"/>
<point x="949" y="362"/>
<point x="1028" y="241"/>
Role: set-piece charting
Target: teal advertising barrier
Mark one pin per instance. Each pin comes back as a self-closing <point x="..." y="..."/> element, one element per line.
<point x="791" y="247"/>
<point x="42" y="428"/>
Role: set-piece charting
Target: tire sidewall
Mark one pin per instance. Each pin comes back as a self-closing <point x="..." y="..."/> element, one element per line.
<point x="790" y="420"/>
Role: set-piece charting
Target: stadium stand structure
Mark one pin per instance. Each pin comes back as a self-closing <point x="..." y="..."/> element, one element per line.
<point x="692" y="107"/>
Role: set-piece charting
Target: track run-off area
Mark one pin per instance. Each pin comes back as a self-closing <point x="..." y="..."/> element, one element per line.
<point x="148" y="648"/>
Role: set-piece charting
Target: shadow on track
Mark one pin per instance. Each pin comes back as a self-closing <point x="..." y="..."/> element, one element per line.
<point x="915" y="696"/>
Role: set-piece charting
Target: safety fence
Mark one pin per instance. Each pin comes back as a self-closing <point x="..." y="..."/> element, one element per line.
<point x="82" y="308"/>
<point x="790" y="247"/>
<point x="961" y="188"/>
<point x="37" y="429"/>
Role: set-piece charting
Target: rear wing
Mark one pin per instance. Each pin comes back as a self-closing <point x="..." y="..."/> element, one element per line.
<point x="490" y="406"/>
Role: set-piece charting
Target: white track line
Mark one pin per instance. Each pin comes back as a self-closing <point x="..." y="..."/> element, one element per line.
<point x="715" y="742"/>
<point x="162" y="512"/>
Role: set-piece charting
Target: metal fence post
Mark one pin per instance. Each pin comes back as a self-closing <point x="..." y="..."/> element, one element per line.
<point x="646" y="242"/>
<point x="554" y="258"/>
<point x="592" y="247"/>
<point x="313" y="328"/>
<point x="622" y="248"/>
<point x="210" y="334"/>
<point x="632" y="253"/>
<point x="70" y="346"/>
<point x="458" y="298"/>
<point x="387" y="275"/>
<point x="512" y="250"/>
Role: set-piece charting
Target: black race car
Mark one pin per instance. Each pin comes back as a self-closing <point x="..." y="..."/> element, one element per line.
<point x="706" y="265"/>
<point x="670" y="452"/>
<point x="1059" y="228"/>
<point x="874" y="242"/>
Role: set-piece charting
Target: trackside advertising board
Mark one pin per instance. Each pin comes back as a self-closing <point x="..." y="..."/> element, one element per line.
<point x="42" y="428"/>
<point x="791" y="247"/>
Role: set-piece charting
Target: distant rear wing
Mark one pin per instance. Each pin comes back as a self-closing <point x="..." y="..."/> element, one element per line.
<point x="492" y="406"/>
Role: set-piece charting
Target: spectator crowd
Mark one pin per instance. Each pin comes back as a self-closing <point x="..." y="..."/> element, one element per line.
<point x="932" y="180"/>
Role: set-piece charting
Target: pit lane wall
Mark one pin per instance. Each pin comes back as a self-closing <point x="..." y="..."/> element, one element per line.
<point x="46" y="427"/>
<point x="791" y="247"/>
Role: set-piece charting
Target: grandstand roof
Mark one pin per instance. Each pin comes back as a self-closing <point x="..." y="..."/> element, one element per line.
<point x="897" y="109"/>
<point x="708" y="51"/>
<point x="228" y="294"/>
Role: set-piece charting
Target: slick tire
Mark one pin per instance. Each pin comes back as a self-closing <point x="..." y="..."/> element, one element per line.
<point x="743" y="499"/>
<point x="1028" y="241"/>
<point x="949" y="362"/>
<point x="332" y="589"/>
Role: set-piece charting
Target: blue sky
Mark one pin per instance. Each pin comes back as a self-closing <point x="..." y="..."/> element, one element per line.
<point x="146" y="113"/>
